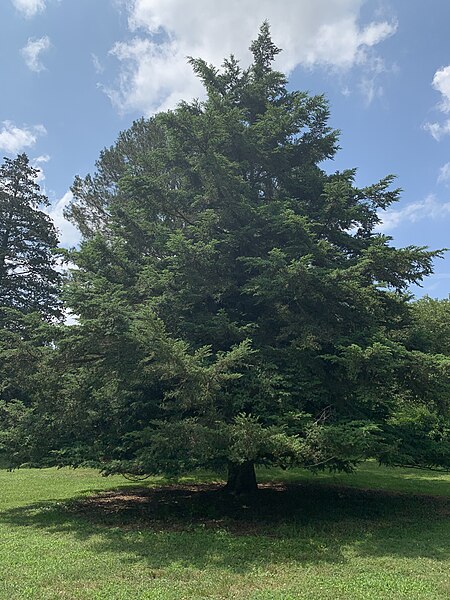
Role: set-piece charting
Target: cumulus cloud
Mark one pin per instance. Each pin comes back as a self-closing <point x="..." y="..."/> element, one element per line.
<point x="15" y="139"/>
<point x="32" y="51"/>
<point x="441" y="83"/>
<point x="154" y="73"/>
<point x="68" y="233"/>
<point x="430" y="208"/>
<point x="29" y="8"/>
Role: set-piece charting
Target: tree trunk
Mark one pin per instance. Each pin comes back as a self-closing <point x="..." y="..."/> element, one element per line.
<point x="241" y="478"/>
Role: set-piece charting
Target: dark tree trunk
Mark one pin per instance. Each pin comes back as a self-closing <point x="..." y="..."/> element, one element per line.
<point x="241" y="478"/>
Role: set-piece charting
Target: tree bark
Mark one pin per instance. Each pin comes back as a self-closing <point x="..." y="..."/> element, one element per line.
<point x="241" y="478"/>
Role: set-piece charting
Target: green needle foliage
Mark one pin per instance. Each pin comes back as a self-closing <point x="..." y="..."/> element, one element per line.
<point x="29" y="296"/>
<point x="236" y="304"/>
<point x="28" y="279"/>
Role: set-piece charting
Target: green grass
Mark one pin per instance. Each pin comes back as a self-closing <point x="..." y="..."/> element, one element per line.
<point x="325" y="537"/>
<point x="370" y="476"/>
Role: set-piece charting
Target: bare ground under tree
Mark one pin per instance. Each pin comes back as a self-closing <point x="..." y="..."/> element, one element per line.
<point x="179" y="507"/>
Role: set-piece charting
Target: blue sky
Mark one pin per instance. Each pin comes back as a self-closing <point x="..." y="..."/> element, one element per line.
<point x="76" y="72"/>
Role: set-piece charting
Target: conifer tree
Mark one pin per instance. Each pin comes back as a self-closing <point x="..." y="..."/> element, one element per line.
<point x="29" y="297"/>
<point x="28" y="278"/>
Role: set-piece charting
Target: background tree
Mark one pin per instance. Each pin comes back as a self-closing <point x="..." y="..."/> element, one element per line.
<point x="236" y="304"/>
<point x="29" y="295"/>
<point x="94" y="193"/>
<point x="29" y="280"/>
<point x="431" y="325"/>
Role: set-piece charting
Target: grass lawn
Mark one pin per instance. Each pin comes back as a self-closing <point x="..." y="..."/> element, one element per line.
<point x="380" y="534"/>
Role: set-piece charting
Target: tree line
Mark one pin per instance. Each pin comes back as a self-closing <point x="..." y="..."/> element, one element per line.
<point x="235" y="304"/>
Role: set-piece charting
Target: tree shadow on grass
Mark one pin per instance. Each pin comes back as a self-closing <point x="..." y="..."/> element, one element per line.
<point x="372" y="476"/>
<point x="200" y="526"/>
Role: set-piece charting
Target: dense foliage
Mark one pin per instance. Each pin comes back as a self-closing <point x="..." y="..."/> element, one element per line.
<point x="235" y="302"/>
<point x="29" y="295"/>
<point x="28" y="278"/>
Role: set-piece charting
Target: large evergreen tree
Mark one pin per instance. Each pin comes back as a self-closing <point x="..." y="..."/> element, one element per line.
<point x="236" y="304"/>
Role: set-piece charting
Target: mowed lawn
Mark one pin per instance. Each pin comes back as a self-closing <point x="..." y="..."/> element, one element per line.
<point x="379" y="534"/>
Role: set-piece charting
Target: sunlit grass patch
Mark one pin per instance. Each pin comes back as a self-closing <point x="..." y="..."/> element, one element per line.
<point x="75" y="535"/>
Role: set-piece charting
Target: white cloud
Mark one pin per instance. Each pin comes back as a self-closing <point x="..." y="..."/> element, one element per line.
<point x="15" y="139"/>
<point x="29" y="8"/>
<point x="44" y="158"/>
<point x="444" y="173"/>
<point x="98" y="67"/>
<point x="36" y="163"/>
<point x="369" y="85"/>
<point x="31" y="52"/>
<point x="154" y="72"/>
<point x="438" y="130"/>
<point x="148" y="83"/>
<point x="69" y="234"/>
<point x="430" y="208"/>
<point x="40" y="176"/>
<point x="369" y="89"/>
<point x="441" y="83"/>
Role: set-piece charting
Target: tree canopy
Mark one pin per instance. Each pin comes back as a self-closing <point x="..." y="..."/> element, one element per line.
<point x="29" y="296"/>
<point x="236" y="304"/>
<point x="29" y="280"/>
